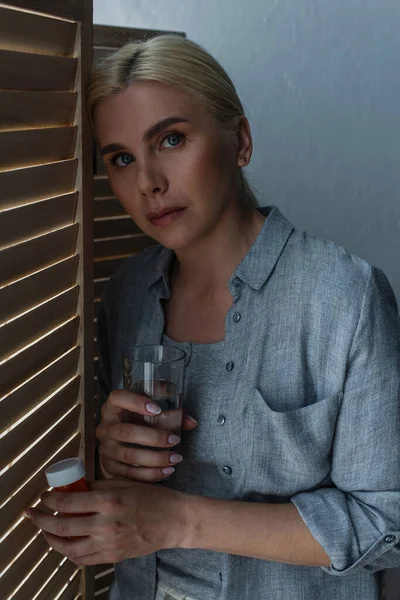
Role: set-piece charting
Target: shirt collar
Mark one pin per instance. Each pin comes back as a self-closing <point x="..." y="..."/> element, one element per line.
<point x="259" y="261"/>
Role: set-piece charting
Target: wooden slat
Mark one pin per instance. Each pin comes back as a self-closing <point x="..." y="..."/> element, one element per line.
<point x="108" y="207"/>
<point x="38" y="72"/>
<point x="37" y="356"/>
<point x="115" y="37"/>
<point x="26" y="397"/>
<point x="16" y="475"/>
<point x="22" y="436"/>
<point x="35" y="33"/>
<point x="122" y="246"/>
<point x="30" y="220"/>
<point x="107" y="267"/>
<point x="41" y="574"/>
<point x="105" y="581"/>
<point x="99" y="288"/>
<point x="102" y="188"/>
<point x="58" y="581"/>
<point x="30" y="326"/>
<point x="25" y="563"/>
<point x="14" y="508"/>
<point x="19" y="296"/>
<point x="70" y="9"/>
<point x="106" y="228"/>
<point x="46" y="109"/>
<point x="29" y="256"/>
<point x="21" y="148"/>
<point x="101" y="570"/>
<point x="15" y="541"/>
<point x="102" y="595"/>
<point x="24" y="185"/>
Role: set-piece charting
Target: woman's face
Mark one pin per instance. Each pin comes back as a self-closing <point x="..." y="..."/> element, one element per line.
<point x="169" y="165"/>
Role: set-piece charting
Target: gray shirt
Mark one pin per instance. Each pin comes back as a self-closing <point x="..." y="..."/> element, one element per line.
<point x="307" y="409"/>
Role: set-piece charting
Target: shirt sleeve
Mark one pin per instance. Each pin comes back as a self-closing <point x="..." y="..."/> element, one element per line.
<point x="357" y="521"/>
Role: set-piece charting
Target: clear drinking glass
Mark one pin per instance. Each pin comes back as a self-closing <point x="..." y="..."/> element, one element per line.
<point x="159" y="373"/>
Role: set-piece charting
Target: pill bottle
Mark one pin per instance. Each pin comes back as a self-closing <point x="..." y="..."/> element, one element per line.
<point x="67" y="476"/>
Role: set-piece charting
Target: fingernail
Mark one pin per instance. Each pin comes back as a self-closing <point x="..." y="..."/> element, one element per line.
<point x="192" y="419"/>
<point x="28" y="513"/>
<point x="153" y="408"/>
<point x="175" y="458"/>
<point x="168" y="470"/>
<point x="173" y="439"/>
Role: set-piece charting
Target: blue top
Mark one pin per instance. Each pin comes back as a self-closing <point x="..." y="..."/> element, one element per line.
<point x="308" y="389"/>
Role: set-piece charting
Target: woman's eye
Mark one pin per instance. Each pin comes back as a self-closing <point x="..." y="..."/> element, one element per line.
<point x="172" y="140"/>
<point x="121" y="160"/>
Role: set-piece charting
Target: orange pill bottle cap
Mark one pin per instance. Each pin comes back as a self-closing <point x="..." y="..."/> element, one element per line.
<point x="65" y="472"/>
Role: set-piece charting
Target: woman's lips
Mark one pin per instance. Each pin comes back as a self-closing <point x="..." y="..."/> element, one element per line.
<point x="167" y="217"/>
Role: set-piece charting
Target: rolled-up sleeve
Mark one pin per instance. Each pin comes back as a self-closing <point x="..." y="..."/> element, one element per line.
<point x="357" y="521"/>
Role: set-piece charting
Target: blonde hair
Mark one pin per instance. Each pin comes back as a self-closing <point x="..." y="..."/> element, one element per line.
<point x="177" y="62"/>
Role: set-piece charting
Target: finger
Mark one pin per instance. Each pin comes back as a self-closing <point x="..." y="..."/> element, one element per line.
<point x="110" y="483"/>
<point x="82" y="503"/>
<point x="132" y="473"/>
<point x="121" y="400"/>
<point x="61" y="526"/>
<point x="189" y="423"/>
<point x="71" y="548"/>
<point x="144" y="436"/>
<point x="137" y="456"/>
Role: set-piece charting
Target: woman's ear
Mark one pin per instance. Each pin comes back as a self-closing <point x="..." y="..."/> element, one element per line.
<point x="245" y="142"/>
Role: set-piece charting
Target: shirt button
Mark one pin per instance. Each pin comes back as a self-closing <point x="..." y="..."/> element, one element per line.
<point x="229" y="366"/>
<point x="236" y="317"/>
<point x="221" y="420"/>
<point x="237" y="282"/>
<point x="227" y="470"/>
<point x="389" y="539"/>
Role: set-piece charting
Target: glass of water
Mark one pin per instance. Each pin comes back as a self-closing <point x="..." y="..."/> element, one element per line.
<point x="157" y="372"/>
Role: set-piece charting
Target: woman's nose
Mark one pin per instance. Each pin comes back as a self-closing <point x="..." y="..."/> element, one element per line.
<point x="151" y="180"/>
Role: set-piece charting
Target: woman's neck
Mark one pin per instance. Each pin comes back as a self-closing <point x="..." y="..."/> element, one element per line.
<point x="209" y="264"/>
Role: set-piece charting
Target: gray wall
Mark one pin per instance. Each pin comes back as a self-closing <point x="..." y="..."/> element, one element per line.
<point x="320" y="80"/>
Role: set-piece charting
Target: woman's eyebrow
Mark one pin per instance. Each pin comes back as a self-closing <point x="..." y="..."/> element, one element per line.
<point x="148" y="134"/>
<point x="163" y="124"/>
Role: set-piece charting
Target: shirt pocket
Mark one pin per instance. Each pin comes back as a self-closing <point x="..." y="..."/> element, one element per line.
<point x="290" y="451"/>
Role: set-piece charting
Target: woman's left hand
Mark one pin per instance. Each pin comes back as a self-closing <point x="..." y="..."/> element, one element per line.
<point x="123" y="520"/>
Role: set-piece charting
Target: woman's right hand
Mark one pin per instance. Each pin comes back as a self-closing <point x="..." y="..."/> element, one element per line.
<point x="140" y="464"/>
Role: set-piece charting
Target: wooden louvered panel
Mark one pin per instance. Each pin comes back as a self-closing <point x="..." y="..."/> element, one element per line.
<point x="108" y="207"/>
<point x="104" y="581"/>
<point x="99" y="286"/>
<point x="20" y="148"/>
<point x="22" y="436"/>
<point x="36" y="33"/>
<point x="36" y="322"/>
<point x="102" y="188"/>
<point x="45" y="109"/>
<point x="42" y="572"/>
<point x="23" y="185"/>
<point x="115" y="37"/>
<point x="27" y="396"/>
<point x="106" y="228"/>
<point x="124" y="246"/>
<point x="12" y="511"/>
<point x="21" y="295"/>
<point x="16" y="475"/>
<point x="57" y="583"/>
<point x="37" y="356"/>
<point x="13" y="544"/>
<point x="20" y="569"/>
<point x="106" y="267"/>
<point x="39" y="72"/>
<point x="29" y="256"/>
<point x="76" y="10"/>
<point x="102" y="595"/>
<point x="36" y="218"/>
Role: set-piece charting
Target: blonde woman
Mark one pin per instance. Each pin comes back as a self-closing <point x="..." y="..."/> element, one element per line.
<point x="287" y="484"/>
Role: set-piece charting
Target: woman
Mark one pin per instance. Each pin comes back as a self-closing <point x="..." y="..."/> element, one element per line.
<point x="293" y="367"/>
